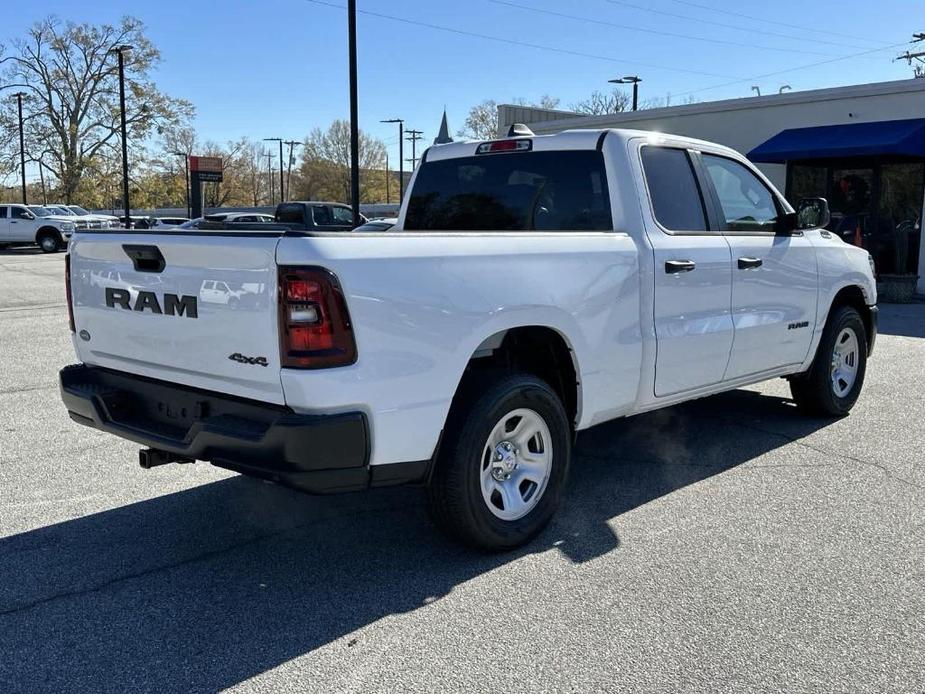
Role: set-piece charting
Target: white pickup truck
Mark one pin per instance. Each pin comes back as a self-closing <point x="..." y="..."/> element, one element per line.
<point x="21" y="224"/>
<point x="534" y="286"/>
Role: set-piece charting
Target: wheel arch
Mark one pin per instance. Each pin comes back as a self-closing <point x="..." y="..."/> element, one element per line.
<point x="540" y="350"/>
<point x="45" y="231"/>
<point x="853" y="295"/>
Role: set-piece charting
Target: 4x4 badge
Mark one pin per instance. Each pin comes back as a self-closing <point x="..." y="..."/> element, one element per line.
<point x="241" y="359"/>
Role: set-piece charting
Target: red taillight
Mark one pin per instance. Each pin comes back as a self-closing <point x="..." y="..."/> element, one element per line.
<point x="504" y="146"/>
<point x="314" y="325"/>
<point x="67" y="291"/>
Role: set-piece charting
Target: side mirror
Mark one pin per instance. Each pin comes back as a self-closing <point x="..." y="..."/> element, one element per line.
<point x="813" y="213"/>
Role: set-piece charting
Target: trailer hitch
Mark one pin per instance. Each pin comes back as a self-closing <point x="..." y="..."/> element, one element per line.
<point x="152" y="457"/>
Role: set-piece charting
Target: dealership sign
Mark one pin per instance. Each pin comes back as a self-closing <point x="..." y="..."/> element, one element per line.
<point x="206" y="168"/>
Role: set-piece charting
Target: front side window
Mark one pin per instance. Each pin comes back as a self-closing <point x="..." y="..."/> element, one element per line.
<point x="524" y="191"/>
<point x="21" y="213"/>
<point x="673" y="188"/>
<point x="342" y="215"/>
<point x="746" y="203"/>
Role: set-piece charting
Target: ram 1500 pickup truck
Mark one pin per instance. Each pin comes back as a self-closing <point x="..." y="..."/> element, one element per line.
<point x="534" y="286"/>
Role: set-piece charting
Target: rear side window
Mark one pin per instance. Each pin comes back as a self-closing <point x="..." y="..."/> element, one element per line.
<point x="290" y="214"/>
<point x="321" y="215"/>
<point x="2" y="212"/>
<point x="543" y="191"/>
<point x="675" y="194"/>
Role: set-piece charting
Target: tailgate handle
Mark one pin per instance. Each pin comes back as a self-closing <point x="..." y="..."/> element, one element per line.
<point x="145" y="258"/>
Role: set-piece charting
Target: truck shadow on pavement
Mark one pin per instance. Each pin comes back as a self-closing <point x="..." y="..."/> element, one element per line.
<point x="205" y="588"/>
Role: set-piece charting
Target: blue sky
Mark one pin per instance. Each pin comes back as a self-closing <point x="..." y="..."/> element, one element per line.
<point x="279" y="67"/>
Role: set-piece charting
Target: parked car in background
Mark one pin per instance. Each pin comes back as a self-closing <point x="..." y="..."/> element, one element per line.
<point x="253" y="217"/>
<point x="378" y="224"/>
<point x="316" y="216"/>
<point x="83" y="219"/>
<point x="19" y="224"/>
<point x="108" y="219"/>
<point x="137" y="221"/>
<point x="162" y="222"/>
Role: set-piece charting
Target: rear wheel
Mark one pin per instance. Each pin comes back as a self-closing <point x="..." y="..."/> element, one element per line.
<point x="834" y="381"/>
<point x="503" y="463"/>
<point x="49" y="242"/>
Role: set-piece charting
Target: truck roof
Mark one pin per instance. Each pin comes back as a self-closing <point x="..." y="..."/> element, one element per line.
<point x="569" y="140"/>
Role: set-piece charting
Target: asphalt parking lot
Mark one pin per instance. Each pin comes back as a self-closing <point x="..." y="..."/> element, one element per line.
<point x="726" y="545"/>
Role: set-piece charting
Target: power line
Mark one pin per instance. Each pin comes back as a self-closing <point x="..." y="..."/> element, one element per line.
<point x="769" y="21"/>
<point x="525" y="44"/>
<point x="791" y="69"/>
<point x="665" y="13"/>
<point x="631" y="27"/>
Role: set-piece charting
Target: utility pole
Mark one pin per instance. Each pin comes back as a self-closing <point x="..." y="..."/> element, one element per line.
<point x="269" y="156"/>
<point x="280" y="140"/>
<point x="413" y="137"/>
<point x="916" y="57"/>
<point x="22" y="147"/>
<point x="120" y="51"/>
<point x="388" y="200"/>
<point x="291" y="143"/>
<point x="401" y="155"/>
<point x="354" y="113"/>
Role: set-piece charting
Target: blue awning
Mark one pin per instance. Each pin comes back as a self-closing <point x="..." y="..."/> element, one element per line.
<point x="897" y="137"/>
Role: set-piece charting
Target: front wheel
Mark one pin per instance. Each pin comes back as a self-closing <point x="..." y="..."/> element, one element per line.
<point x="49" y="243"/>
<point x="503" y="463"/>
<point x="834" y="381"/>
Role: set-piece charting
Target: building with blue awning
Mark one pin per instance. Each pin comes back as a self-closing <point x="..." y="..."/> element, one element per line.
<point x="862" y="147"/>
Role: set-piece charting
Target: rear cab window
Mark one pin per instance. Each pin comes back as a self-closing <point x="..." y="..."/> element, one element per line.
<point x="676" y="197"/>
<point x="564" y="190"/>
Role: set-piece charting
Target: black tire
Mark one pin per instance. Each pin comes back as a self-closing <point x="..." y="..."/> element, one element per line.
<point x="49" y="241"/>
<point x="814" y="391"/>
<point x="456" y="502"/>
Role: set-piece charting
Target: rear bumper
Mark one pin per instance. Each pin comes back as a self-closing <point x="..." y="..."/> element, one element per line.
<point x="312" y="453"/>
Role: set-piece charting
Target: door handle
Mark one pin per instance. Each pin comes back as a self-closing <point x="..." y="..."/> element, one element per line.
<point x="675" y="266"/>
<point x="749" y="263"/>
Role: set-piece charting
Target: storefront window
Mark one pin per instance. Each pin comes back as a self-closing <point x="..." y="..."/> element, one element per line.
<point x="808" y="182"/>
<point x="896" y="248"/>
<point x="875" y="205"/>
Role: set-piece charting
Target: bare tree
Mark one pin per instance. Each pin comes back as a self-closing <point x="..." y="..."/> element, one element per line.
<point x="601" y="103"/>
<point x="72" y="82"/>
<point x="482" y="121"/>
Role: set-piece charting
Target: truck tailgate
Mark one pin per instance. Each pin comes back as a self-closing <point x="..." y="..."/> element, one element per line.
<point x="207" y="318"/>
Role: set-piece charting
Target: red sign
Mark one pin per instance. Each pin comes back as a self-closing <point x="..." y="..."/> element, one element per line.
<point x="210" y="164"/>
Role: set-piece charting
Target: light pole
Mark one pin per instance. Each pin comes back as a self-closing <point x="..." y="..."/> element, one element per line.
<point x="120" y="51"/>
<point x="291" y="143"/>
<point x="280" y="140"/>
<point x="634" y="80"/>
<point x="22" y="147"/>
<point x="401" y="155"/>
<point x="186" y="170"/>
<point x="354" y="114"/>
